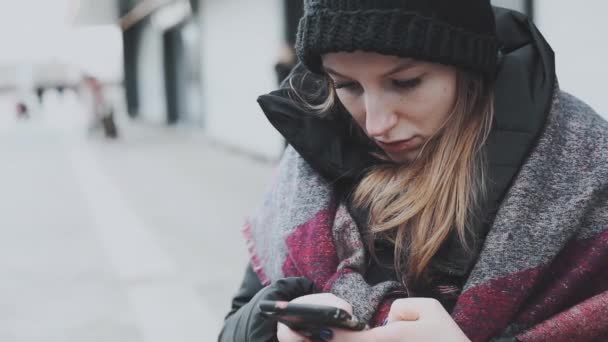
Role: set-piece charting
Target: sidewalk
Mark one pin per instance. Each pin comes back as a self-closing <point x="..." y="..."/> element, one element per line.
<point x="195" y="196"/>
<point x="129" y="240"/>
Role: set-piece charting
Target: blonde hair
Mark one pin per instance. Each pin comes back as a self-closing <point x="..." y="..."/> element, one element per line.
<point x="417" y="206"/>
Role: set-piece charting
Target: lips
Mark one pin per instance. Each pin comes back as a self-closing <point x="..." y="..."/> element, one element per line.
<point x="399" y="145"/>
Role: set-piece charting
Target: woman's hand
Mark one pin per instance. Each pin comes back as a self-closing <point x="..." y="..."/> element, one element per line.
<point x="414" y="319"/>
<point x="248" y="323"/>
<point x="410" y="319"/>
<point x="419" y="319"/>
<point x="284" y="334"/>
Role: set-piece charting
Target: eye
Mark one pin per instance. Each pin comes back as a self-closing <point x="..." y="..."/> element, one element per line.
<point x="407" y="84"/>
<point x="346" y="85"/>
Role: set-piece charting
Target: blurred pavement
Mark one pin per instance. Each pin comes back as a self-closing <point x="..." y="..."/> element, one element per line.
<point x="129" y="240"/>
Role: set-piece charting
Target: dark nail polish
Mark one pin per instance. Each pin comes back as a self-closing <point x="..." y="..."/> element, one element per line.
<point x="326" y="334"/>
<point x="385" y="322"/>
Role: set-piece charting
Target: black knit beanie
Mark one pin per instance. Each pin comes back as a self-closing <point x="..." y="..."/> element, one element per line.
<point x="461" y="33"/>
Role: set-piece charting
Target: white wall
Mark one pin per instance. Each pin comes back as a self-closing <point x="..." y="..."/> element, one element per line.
<point x="94" y="12"/>
<point x="577" y="31"/>
<point x="96" y="50"/>
<point x="30" y="30"/>
<point x="151" y="78"/>
<point x="240" y="43"/>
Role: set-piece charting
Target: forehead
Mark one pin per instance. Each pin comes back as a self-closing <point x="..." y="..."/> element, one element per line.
<point x="369" y="63"/>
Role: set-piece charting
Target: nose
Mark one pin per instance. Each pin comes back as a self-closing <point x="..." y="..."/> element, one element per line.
<point x="379" y="117"/>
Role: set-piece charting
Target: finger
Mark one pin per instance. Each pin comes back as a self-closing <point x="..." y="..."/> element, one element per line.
<point x="402" y="310"/>
<point x="397" y="331"/>
<point x="361" y="336"/>
<point x="284" y="334"/>
<point x="408" y="315"/>
<point x="412" y="309"/>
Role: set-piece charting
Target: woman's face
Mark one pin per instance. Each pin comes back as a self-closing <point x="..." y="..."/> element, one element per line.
<point x="399" y="102"/>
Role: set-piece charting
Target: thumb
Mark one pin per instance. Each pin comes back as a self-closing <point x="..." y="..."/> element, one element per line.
<point x="408" y="309"/>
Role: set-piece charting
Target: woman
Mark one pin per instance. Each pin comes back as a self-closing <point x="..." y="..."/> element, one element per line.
<point x="438" y="187"/>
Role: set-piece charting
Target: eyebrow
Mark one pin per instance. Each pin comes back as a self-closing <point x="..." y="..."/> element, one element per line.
<point x="407" y="64"/>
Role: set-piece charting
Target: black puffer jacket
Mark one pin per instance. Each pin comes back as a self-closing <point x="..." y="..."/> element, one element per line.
<point x="523" y="91"/>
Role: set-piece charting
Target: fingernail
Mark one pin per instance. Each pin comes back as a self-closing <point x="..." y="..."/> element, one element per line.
<point x="385" y="322"/>
<point x="326" y="334"/>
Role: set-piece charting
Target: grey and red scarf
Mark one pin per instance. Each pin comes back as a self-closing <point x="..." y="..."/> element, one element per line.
<point x="542" y="274"/>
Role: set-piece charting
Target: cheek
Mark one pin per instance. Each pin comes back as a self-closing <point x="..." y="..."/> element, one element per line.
<point x="434" y="103"/>
<point x="445" y="100"/>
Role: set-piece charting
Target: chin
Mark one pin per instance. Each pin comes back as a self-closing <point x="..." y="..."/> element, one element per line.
<point x="405" y="157"/>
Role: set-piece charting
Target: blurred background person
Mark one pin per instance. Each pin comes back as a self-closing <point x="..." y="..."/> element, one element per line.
<point x="101" y="110"/>
<point x="22" y="110"/>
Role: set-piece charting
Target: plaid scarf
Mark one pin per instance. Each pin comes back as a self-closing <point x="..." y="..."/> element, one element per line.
<point x="541" y="275"/>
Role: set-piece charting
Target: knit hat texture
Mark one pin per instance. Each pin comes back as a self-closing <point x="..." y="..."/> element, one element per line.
<point x="460" y="33"/>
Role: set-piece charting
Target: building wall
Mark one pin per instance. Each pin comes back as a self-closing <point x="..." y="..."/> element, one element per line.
<point x="151" y="78"/>
<point x="239" y="46"/>
<point x="577" y="32"/>
<point x="94" y="12"/>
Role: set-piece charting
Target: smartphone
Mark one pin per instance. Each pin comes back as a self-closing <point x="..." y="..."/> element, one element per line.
<point x="309" y="319"/>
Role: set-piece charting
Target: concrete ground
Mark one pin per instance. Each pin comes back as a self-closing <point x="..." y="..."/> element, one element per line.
<point x="130" y="240"/>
